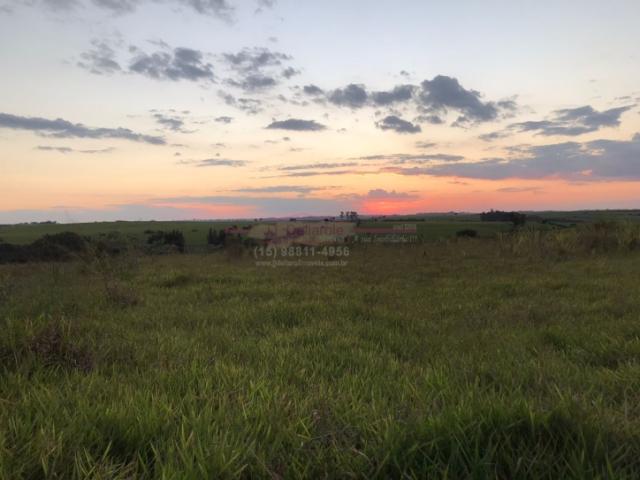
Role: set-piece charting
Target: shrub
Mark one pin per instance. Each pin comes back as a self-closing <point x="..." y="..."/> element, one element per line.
<point x="173" y="239"/>
<point x="216" y="238"/>
<point x="467" y="232"/>
<point x="57" y="247"/>
<point x="114" y="243"/>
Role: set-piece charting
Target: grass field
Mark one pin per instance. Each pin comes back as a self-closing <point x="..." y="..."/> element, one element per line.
<point x="196" y="232"/>
<point x="469" y="358"/>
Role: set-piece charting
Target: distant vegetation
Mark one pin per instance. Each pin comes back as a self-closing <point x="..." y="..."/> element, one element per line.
<point x="56" y="247"/>
<point x="516" y="218"/>
<point x="539" y="237"/>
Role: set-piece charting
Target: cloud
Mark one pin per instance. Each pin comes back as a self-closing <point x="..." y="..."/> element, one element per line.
<point x="100" y="60"/>
<point x="252" y="59"/>
<point x="255" y="82"/>
<point x="267" y="3"/>
<point x="6" y="9"/>
<point x="251" y="106"/>
<point x="432" y="119"/>
<point x="290" y="72"/>
<point x="317" y="166"/>
<point x="300" y="189"/>
<point x="65" y="150"/>
<point x="519" y="189"/>
<point x="398" y="125"/>
<point x="425" y="145"/>
<point x="258" y="68"/>
<point x="598" y="160"/>
<point x="489" y="137"/>
<point x="312" y="90"/>
<point x="60" y="128"/>
<point x="401" y="158"/>
<point x="315" y="173"/>
<point x="443" y="93"/>
<point x="214" y="162"/>
<point x="223" y="119"/>
<point x="118" y="6"/>
<point x="400" y="93"/>
<point x="353" y="96"/>
<point x="382" y="194"/>
<point x="170" y="122"/>
<point x="179" y="64"/>
<point x="215" y="8"/>
<point x="297" y="125"/>
<point x="574" y="121"/>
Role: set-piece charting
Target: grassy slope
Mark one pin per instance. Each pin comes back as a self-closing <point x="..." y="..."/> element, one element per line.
<point x="443" y="360"/>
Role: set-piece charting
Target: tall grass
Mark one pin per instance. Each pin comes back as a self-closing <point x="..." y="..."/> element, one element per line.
<point x="589" y="238"/>
<point x="442" y="360"/>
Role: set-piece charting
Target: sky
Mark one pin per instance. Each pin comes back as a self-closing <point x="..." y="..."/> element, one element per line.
<point x="202" y="109"/>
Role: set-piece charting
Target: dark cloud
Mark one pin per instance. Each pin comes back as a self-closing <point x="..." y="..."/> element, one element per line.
<point x="489" y="137"/>
<point x="254" y="82"/>
<point x="216" y="8"/>
<point x="118" y="6"/>
<point x="6" y="9"/>
<point x="179" y="64"/>
<point x="353" y="96"/>
<point x="433" y="119"/>
<point x="100" y="59"/>
<point x="297" y="125"/>
<point x="443" y="93"/>
<point x="290" y="72"/>
<point x="59" y="4"/>
<point x="170" y="122"/>
<point x="252" y="59"/>
<point x="591" y="161"/>
<point x="60" y="128"/>
<point x="223" y="119"/>
<point x="400" y="93"/>
<point x="266" y="3"/>
<point x="65" y="150"/>
<point x="574" y="121"/>
<point x="312" y="90"/>
<point x="258" y="68"/>
<point x="398" y="125"/>
<point x="425" y="145"/>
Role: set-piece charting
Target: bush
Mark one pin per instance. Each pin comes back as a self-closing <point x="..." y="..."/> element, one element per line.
<point x="216" y="239"/>
<point x="114" y="243"/>
<point x="467" y="232"/>
<point x="57" y="247"/>
<point x="158" y="241"/>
